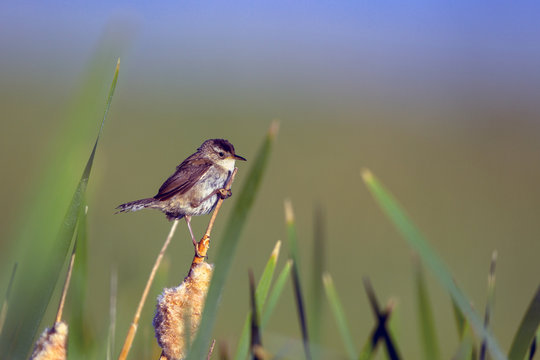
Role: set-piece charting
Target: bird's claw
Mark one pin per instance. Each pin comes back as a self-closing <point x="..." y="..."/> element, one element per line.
<point x="198" y="254"/>
<point x="224" y="193"/>
<point x="204" y="240"/>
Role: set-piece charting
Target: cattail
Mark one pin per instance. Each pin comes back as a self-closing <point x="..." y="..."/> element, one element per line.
<point x="52" y="344"/>
<point x="179" y="310"/>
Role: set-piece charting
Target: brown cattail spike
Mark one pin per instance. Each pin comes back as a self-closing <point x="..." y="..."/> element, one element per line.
<point x="52" y="344"/>
<point x="179" y="311"/>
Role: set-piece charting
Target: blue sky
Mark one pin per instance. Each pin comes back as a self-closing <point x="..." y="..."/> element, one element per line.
<point x="432" y="47"/>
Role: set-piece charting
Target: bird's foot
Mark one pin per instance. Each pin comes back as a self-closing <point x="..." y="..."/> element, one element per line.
<point x="224" y="193"/>
<point x="196" y="247"/>
<point x="197" y="253"/>
<point x="206" y="238"/>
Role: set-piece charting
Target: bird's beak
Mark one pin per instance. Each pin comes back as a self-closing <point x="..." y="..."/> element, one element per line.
<point x="238" y="157"/>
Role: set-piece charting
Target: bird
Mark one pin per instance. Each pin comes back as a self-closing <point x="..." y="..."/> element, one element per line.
<point x="195" y="187"/>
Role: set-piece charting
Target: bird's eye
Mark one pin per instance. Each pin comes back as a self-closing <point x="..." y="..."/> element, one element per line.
<point x="221" y="154"/>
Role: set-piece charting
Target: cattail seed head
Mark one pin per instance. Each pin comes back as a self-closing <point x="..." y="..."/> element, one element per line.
<point x="179" y="310"/>
<point x="52" y="344"/>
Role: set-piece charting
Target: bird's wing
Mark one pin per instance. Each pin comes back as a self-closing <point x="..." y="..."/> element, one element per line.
<point x="186" y="175"/>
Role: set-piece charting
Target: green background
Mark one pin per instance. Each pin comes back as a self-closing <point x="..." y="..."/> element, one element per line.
<point x="455" y="139"/>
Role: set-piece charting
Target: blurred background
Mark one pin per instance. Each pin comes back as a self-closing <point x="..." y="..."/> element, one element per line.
<point x="439" y="100"/>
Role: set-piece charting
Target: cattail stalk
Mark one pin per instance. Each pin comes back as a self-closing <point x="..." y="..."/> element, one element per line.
<point x="179" y="310"/>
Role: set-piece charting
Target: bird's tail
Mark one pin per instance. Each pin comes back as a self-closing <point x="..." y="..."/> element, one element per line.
<point x="135" y="205"/>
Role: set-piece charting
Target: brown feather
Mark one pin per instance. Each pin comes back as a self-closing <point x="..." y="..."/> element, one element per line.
<point x="187" y="174"/>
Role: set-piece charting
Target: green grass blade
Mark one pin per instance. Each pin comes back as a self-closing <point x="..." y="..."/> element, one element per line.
<point x="367" y="350"/>
<point x="339" y="315"/>
<point x="466" y="345"/>
<point x="380" y="332"/>
<point x="111" y="334"/>
<point x="34" y="289"/>
<point x="81" y="338"/>
<point x="263" y="287"/>
<point x="291" y="234"/>
<point x="228" y="244"/>
<point x="318" y="266"/>
<point x="275" y="294"/>
<point x="534" y="345"/>
<point x="393" y="309"/>
<point x="527" y="328"/>
<point x="60" y="164"/>
<point x="489" y="302"/>
<point x="5" y="304"/>
<point x="459" y="318"/>
<point x="430" y="343"/>
<point x="255" y="328"/>
<point x="298" y="293"/>
<point x="415" y="239"/>
<point x="261" y="295"/>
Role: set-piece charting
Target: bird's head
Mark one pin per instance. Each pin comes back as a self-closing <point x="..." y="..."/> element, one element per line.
<point x="221" y="152"/>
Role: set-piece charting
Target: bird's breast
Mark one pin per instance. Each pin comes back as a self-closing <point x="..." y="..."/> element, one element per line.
<point x="212" y="180"/>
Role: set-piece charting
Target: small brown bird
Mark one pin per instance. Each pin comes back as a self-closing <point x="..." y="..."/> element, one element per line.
<point x="196" y="186"/>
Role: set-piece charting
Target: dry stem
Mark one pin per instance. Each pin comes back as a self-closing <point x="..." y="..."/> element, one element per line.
<point x="211" y="349"/>
<point x="52" y="344"/>
<point x="133" y="328"/>
<point x="66" y="286"/>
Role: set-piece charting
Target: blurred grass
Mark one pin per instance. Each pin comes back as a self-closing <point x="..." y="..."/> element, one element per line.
<point x="527" y="329"/>
<point x="301" y="310"/>
<point x="276" y="292"/>
<point x="490" y="302"/>
<point x="340" y="317"/>
<point x="534" y="345"/>
<point x="41" y="267"/>
<point x="261" y="294"/>
<point x="430" y="343"/>
<point x="426" y="253"/>
<point x="469" y="177"/>
<point x="111" y="333"/>
<point x="316" y="294"/>
<point x="466" y="349"/>
<point x="255" y="330"/>
<point x="5" y="302"/>
<point x="381" y="333"/>
<point x="82" y="340"/>
<point x="364" y="255"/>
<point x="460" y="319"/>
